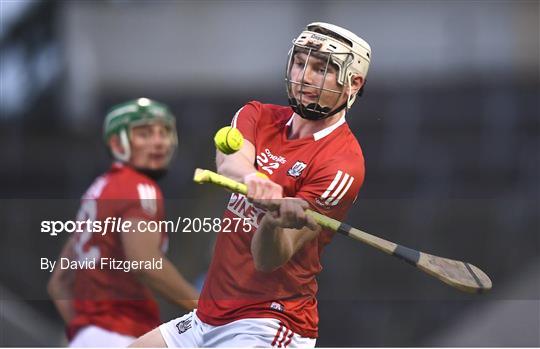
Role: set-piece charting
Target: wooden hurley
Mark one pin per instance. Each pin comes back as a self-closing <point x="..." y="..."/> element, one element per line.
<point x="461" y="275"/>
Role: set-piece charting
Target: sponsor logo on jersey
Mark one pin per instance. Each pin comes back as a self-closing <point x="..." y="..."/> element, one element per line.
<point x="184" y="325"/>
<point x="269" y="162"/>
<point x="147" y="195"/>
<point x="240" y="206"/>
<point x="296" y="169"/>
<point x="336" y="190"/>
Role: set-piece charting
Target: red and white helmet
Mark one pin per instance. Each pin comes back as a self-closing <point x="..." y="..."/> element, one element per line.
<point x="350" y="53"/>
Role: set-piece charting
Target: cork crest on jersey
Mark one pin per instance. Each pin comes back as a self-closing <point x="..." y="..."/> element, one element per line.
<point x="296" y="170"/>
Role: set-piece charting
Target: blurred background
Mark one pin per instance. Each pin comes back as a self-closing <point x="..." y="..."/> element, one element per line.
<point x="449" y="126"/>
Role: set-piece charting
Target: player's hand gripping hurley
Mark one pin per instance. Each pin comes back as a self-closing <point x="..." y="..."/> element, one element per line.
<point x="461" y="275"/>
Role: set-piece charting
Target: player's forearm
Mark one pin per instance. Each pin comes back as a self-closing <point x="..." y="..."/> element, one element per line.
<point x="237" y="165"/>
<point x="169" y="283"/>
<point x="60" y="285"/>
<point x="59" y="289"/>
<point x="270" y="247"/>
<point x="237" y="169"/>
<point x="65" y="309"/>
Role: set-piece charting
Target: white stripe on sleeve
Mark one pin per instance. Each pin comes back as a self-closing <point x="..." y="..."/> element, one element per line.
<point x="332" y="185"/>
<point x="338" y="190"/>
<point x="235" y="118"/>
<point x="343" y="192"/>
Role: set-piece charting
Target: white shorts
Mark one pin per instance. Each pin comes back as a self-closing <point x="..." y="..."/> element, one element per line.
<point x="190" y="331"/>
<point x="94" y="336"/>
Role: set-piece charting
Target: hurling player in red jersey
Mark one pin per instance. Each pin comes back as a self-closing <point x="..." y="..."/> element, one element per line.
<point x="105" y="304"/>
<point x="261" y="287"/>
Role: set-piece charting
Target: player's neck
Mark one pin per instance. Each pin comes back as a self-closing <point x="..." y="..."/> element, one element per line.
<point x="301" y="127"/>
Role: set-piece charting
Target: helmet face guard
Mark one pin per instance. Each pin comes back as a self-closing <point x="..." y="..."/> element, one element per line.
<point x="349" y="54"/>
<point x="297" y="85"/>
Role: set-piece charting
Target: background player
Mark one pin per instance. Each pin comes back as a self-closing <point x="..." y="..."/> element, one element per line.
<point x="261" y="286"/>
<point x="104" y="307"/>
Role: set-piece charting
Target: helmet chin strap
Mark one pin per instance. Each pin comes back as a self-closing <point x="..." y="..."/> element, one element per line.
<point x="350" y="97"/>
<point x="313" y="111"/>
<point x="124" y="141"/>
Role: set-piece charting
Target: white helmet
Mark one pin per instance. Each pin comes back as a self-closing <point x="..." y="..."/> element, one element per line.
<point x="339" y="46"/>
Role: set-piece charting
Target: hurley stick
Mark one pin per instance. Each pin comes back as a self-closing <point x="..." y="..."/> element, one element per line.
<point x="461" y="275"/>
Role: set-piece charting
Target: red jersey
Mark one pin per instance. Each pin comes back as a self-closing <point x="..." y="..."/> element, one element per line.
<point x="112" y="298"/>
<point x="325" y="169"/>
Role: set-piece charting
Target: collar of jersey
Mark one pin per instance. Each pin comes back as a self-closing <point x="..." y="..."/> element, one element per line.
<point x="324" y="132"/>
<point x="116" y="165"/>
